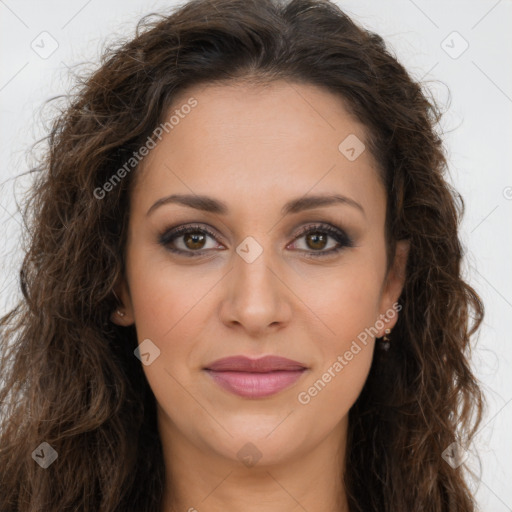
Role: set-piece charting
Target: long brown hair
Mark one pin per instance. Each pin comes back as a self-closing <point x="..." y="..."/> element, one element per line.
<point x="70" y="376"/>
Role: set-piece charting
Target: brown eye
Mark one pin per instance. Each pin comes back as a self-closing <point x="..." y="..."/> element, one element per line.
<point x="316" y="240"/>
<point x="187" y="240"/>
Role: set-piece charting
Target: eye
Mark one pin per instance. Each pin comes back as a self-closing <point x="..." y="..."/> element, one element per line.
<point x="316" y="237"/>
<point x="192" y="240"/>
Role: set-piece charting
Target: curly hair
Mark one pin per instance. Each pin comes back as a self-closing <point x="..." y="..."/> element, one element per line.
<point x="70" y="376"/>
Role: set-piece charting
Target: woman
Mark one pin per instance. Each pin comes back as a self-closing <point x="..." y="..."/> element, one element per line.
<point x="243" y="286"/>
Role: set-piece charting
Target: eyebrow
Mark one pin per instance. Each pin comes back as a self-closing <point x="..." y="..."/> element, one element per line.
<point x="211" y="205"/>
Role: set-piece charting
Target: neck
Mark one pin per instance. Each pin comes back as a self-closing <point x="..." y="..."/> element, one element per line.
<point x="203" y="480"/>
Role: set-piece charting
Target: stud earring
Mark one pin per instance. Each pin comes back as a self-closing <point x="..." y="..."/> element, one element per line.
<point x="385" y="341"/>
<point x="120" y="313"/>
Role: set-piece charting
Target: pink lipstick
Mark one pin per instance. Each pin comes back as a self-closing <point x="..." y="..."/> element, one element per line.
<point x="255" y="378"/>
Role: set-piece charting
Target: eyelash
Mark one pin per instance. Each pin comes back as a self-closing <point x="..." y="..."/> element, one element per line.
<point x="337" y="234"/>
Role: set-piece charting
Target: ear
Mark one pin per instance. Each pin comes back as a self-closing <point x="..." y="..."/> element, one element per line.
<point x="123" y="314"/>
<point x="394" y="284"/>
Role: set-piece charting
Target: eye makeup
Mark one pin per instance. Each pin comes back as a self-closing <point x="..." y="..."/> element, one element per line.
<point x="170" y="236"/>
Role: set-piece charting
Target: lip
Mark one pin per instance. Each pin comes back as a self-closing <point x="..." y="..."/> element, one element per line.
<point x="255" y="378"/>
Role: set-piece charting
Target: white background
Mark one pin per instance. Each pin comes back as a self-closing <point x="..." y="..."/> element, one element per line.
<point x="479" y="142"/>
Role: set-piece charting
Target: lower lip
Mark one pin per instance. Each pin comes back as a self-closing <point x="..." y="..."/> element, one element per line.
<point x="255" y="385"/>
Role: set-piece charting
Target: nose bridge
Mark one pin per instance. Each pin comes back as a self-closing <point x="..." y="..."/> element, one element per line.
<point x="253" y="272"/>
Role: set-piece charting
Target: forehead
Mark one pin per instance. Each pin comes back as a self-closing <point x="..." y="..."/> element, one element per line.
<point x="246" y="141"/>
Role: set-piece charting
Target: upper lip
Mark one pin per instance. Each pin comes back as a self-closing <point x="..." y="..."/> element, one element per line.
<point x="260" y="365"/>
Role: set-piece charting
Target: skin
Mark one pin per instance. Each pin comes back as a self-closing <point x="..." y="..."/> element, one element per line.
<point x="256" y="148"/>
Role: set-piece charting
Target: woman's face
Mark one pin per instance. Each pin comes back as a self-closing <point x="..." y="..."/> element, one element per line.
<point x="251" y="166"/>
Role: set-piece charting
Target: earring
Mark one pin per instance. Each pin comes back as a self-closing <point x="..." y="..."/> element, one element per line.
<point x="385" y="341"/>
<point x="118" y="312"/>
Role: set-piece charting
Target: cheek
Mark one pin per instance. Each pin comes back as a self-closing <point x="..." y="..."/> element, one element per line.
<point x="349" y="309"/>
<point x="160" y="301"/>
<point x="347" y="304"/>
<point x="166" y="306"/>
<point x="162" y="294"/>
<point x="346" y="298"/>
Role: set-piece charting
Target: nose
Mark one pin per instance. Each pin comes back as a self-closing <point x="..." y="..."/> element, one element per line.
<point x="256" y="296"/>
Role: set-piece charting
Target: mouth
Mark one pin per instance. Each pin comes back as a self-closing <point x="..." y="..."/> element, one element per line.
<point x="255" y="378"/>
